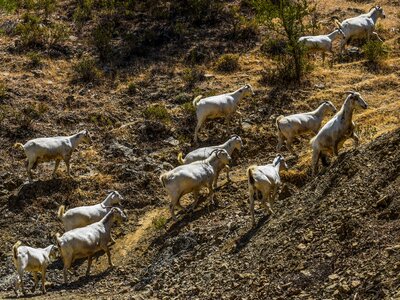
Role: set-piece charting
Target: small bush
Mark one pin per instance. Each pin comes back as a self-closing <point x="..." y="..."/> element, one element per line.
<point x="182" y="98"/>
<point x="31" y="31"/>
<point x="375" y="51"/>
<point x="132" y="89"/>
<point x="159" y="222"/>
<point x="227" y="63"/>
<point x="192" y="75"/>
<point x="283" y="72"/>
<point x="273" y="47"/>
<point x="101" y="39"/>
<point x="197" y="55"/>
<point x="85" y="70"/>
<point x="35" y="59"/>
<point x="157" y="112"/>
<point x="188" y="107"/>
<point x="48" y="6"/>
<point x="56" y="34"/>
<point x="83" y="12"/>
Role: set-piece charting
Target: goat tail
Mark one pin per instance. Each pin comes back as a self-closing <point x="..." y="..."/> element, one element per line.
<point x="250" y="175"/>
<point x="58" y="240"/>
<point x="61" y="211"/>
<point x="19" y="146"/>
<point x="180" y="158"/>
<point x="163" y="179"/>
<point x="277" y="122"/>
<point x="197" y="99"/>
<point x="15" y="249"/>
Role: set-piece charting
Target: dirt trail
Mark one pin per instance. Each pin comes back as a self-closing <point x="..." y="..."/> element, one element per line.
<point x="122" y="247"/>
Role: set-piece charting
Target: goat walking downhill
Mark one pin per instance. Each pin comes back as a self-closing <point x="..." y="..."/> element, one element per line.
<point x="291" y="126"/>
<point x="360" y="26"/>
<point x="192" y="177"/>
<point x="265" y="180"/>
<point x="34" y="260"/>
<point x="221" y="106"/>
<point x="337" y="130"/>
<point x="52" y="148"/>
<point x="86" y="241"/>
<point x="234" y="143"/>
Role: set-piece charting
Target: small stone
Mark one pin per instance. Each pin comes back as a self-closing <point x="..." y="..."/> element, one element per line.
<point x="355" y="283"/>
<point x="301" y="246"/>
<point x="333" y="276"/>
<point x="172" y="141"/>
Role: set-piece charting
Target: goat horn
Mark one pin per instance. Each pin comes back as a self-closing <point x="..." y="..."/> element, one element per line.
<point x="349" y="92"/>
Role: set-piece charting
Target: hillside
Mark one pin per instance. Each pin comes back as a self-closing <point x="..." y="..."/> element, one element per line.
<point x="333" y="236"/>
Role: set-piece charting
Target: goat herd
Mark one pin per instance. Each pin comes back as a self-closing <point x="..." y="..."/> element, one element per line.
<point x="88" y="228"/>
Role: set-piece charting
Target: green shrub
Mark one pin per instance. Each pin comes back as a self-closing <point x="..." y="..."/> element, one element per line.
<point x="273" y="47"/>
<point x="48" y="6"/>
<point x="159" y="222"/>
<point x="188" y="107"/>
<point x="132" y="89"/>
<point x="287" y="19"/>
<point x="227" y="63"/>
<point x="35" y="59"/>
<point x="31" y="31"/>
<point x="101" y="39"/>
<point x="192" y="75"/>
<point x="375" y="51"/>
<point x="83" y="12"/>
<point x="157" y="112"/>
<point x="85" y="70"/>
<point x="56" y="34"/>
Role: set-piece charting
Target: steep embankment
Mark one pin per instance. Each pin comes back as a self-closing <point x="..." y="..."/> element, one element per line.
<point x="338" y="237"/>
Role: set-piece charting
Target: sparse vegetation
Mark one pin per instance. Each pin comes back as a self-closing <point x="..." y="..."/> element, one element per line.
<point x="227" y="63"/>
<point x="192" y="75"/>
<point x="86" y="70"/>
<point x="132" y="89"/>
<point x="159" y="222"/>
<point x="287" y="18"/>
<point x="35" y="59"/>
<point x="375" y="51"/>
<point x="157" y="112"/>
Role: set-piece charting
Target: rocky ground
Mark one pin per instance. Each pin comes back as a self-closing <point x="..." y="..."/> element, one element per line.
<point x="333" y="237"/>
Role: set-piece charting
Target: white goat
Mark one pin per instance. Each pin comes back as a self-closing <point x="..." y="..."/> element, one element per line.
<point x="52" y="148"/>
<point x="265" y="180"/>
<point x="235" y="142"/>
<point x="192" y="177"/>
<point x="85" y="215"/>
<point x="86" y="241"/>
<point x="360" y="26"/>
<point x="293" y="125"/>
<point x="32" y="260"/>
<point x="336" y="131"/>
<point x="321" y="43"/>
<point x="221" y="106"/>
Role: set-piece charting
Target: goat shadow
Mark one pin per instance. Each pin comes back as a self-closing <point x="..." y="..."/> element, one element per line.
<point x="247" y="236"/>
<point x="29" y="191"/>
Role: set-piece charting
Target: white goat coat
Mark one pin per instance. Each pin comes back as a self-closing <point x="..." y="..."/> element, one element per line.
<point x="32" y="259"/>
<point x="85" y="215"/>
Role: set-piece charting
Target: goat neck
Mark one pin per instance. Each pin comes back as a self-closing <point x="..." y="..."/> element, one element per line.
<point x="238" y="95"/>
<point x="374" y="14"/>
<point x="346" y="112"/>
<point x="76" y="139"/>
<point x="333" y="34"/>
